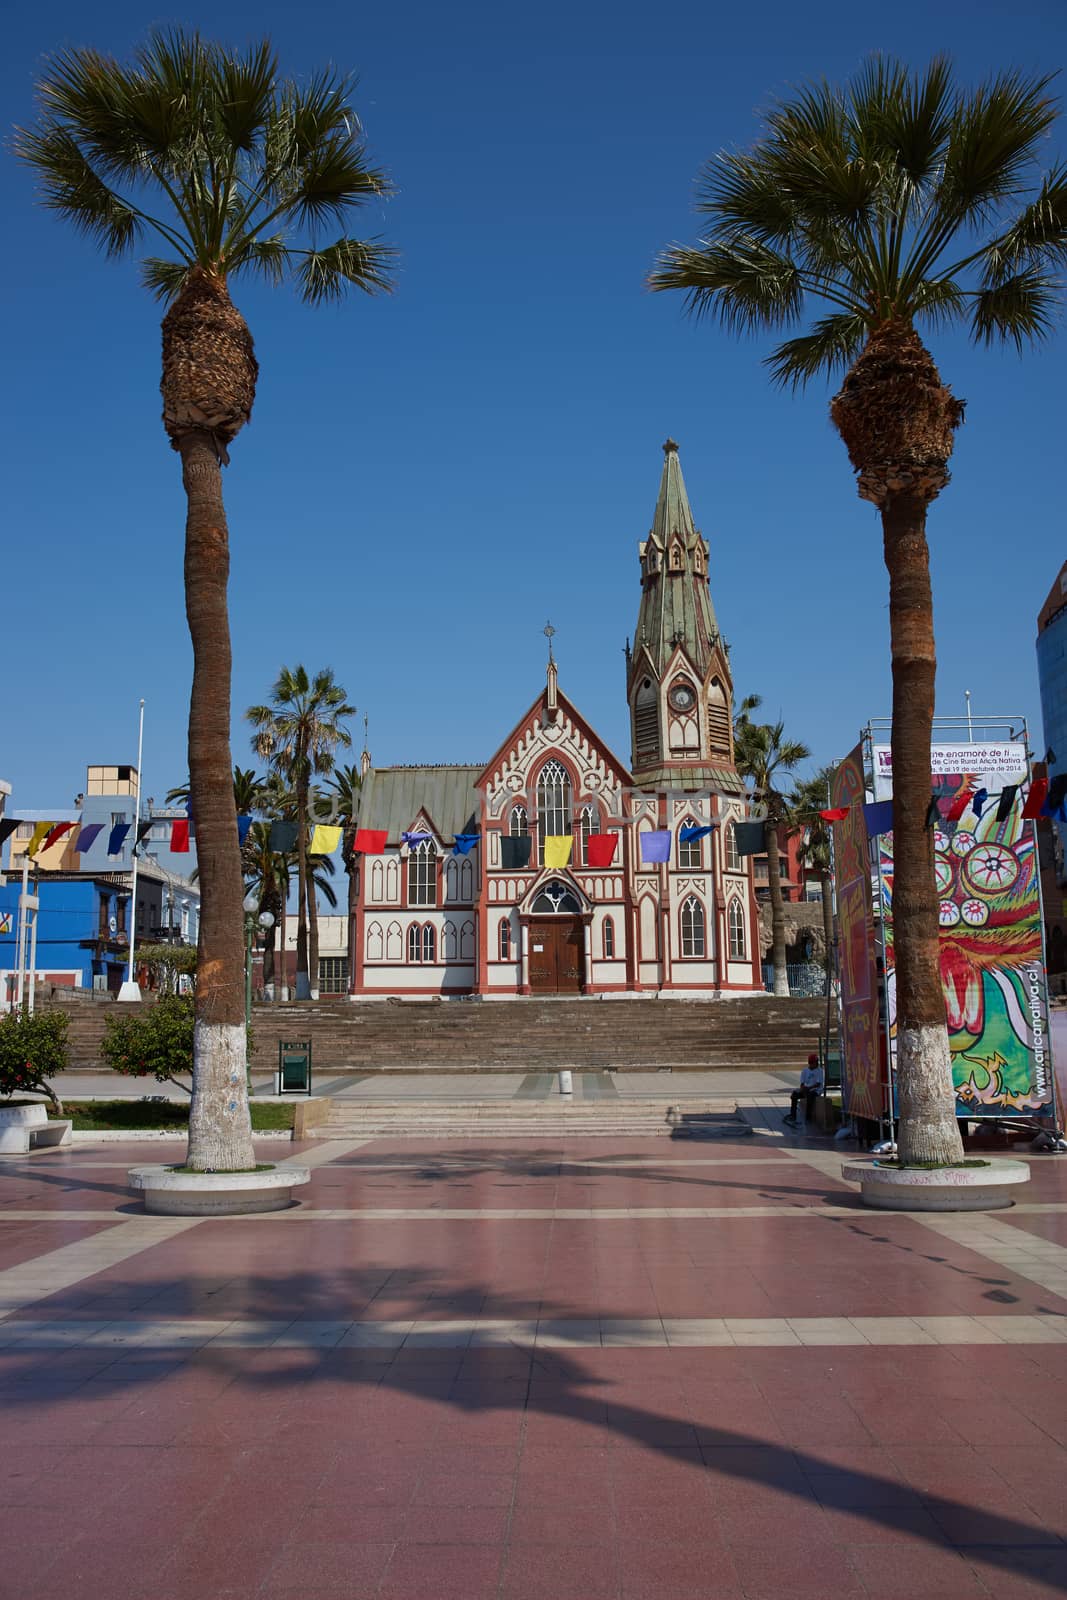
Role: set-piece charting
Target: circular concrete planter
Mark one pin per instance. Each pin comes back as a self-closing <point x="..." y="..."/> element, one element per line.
<point x="16" y="1118"/>
<point x="985" y="1188"/>
<point x="216" y="1194"/>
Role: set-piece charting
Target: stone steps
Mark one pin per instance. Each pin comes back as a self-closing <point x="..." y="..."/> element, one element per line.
<point x="538" y="1119"/>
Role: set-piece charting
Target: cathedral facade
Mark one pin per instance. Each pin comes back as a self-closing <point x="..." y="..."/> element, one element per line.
<point x="500" y="920"/>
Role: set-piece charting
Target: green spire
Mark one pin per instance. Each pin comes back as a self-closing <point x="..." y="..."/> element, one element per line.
<point x="676" y="606"/>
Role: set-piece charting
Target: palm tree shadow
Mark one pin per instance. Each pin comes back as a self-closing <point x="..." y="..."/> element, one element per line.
<point x="512" y="1376"/>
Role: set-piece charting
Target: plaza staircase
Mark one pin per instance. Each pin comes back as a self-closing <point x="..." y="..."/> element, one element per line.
<point x="554" y="1117"/>
<point x="528" y="1035"/>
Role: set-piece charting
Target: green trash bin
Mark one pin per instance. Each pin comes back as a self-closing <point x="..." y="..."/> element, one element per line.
<point x="294" y="1066"/>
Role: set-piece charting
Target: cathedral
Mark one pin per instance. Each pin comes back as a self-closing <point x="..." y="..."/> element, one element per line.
<point x="470" y="895"/>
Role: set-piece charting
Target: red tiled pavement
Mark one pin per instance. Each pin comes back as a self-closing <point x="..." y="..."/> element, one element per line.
<point x="592" y="1473"/>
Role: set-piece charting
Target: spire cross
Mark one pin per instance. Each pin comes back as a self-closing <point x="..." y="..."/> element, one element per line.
<point x="548" y="631"/>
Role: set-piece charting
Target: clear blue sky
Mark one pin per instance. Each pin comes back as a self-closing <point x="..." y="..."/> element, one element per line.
<point x="427" y="477"/>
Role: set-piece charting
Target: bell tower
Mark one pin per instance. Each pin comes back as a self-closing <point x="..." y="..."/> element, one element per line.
<point x="678" y="681"/>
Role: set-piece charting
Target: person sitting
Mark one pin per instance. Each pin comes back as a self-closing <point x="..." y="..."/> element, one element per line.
<point x="811" y="1085"/>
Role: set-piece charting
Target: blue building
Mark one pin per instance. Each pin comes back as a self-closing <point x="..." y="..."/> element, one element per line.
<point x="1052" y="677"/>
<point x="82" y="932"/>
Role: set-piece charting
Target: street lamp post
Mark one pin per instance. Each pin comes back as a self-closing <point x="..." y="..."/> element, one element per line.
<point x="252" y="925"/>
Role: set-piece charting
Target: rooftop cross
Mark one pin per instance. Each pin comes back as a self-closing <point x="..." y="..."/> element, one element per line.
<point x="549" y="630"/>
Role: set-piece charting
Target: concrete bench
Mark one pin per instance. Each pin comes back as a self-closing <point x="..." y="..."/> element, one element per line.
<point x="25" y="1127"/>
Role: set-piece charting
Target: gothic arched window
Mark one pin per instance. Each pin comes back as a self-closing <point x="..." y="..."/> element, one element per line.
<point x="429" y="942"/>
<point x="553" y="803"/>
<point x="609" y="939"/>
<point x="505" y="939"/>
<point x="589" y="822"/>
<point x="735" y="922"/>
<point x="692" y="927"/>
<point x="422" y="874"/>
<point x="519" y="826"/>
<point x="733" y="860"/>
<point x="414" y="942"/>
<point x="689" y="852"/>
<point x="555" y="896"/>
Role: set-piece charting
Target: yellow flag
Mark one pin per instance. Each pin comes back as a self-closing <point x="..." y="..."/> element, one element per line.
<point x="39" y="833"/>
<point x="324" y="841"/>
<point x="558" y="849"/>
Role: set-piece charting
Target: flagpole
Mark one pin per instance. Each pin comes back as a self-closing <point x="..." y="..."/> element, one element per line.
<point x="130" y="990"/>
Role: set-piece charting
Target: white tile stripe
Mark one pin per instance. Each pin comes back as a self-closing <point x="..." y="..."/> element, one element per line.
<point x="146" y="1334"/>
<point x="70" y="1263"/>
<point x="1028" y="1255"/>
<point x="305" y="1212"/>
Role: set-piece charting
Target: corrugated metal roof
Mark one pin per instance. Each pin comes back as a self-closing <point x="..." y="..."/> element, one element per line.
<point x="392" y="797"/>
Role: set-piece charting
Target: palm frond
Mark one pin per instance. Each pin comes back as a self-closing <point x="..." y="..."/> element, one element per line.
<point x="740" y="193"/>
<point x="71" y="186"/>
<point x="1039" y="230"/>
<point x="267" y="258"/>
<point x="938" y="301"/>
<point x="832" y="345"/>
<point x="165" y="279"/>
<point x="334" y="177"/>
<point x="1017" y="310"/>
<point x="325" y="274"/>
<point x="904" y="118"/>
<point x="992" y="145"/>
<point x="745" y="283"/>
<point x="246" y="86"/>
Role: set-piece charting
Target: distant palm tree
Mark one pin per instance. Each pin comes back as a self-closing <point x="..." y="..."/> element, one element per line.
<point x="298" y="733"/>
<point x="247" y="792"/>
<point x="231" y="171"/>
<point x="810" y="796"/>
<point x="340" y="802"/>
<point x="898" y="200"/>
<point x="268" y="875"/>
<point x="761" y="753"/>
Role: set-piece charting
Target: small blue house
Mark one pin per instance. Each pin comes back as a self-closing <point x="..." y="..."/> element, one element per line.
<point x="82" y="933"/>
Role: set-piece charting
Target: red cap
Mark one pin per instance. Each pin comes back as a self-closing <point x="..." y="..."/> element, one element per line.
<point x="813" y="1061"/>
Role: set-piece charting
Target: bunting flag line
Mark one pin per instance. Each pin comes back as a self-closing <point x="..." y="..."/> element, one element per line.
<point x="40" y="831"/>
<point x="515" y="851"/>
<point x="600" y="849"/>
<point x="464" y="844"/>
<point x="370" y="841"/>
<point x="750" y="838"/>
<point x="324" y="840"/>
<point x="1036" y="798"/>
<point x="1007" y="801"/>
<point x="179" y="836"/>
<point x="1056" y="803"/>
<point x="57" y="833"/>
<point x="656" y="846"/>
<point x="412" y="839"/>
<point x="243" y="825"/>
<point x="88" y="836"/>
<point x="282" y="838"/>
<point x="834" y="813"/>
<point x="558" y="848"/>
<point x="686" y="835"/>
<point x="956" y="807"/>
<point x="933" y="813"/>
<point x="117" y="838"/>
<point x="978" y="800"/>
<point x="7" y="828"/>
<point x="878" y="815"/>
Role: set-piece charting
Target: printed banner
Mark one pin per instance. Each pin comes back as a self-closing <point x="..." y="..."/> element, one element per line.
<point x="998" y="763"/>
<point x="862" y="1075"/>
<point x="992" y="974"/>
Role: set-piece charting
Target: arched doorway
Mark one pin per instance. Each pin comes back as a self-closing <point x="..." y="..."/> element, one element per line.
<point x="556" y="943"/>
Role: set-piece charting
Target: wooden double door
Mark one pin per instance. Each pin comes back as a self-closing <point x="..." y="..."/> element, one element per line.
<point x="556" y="948"/>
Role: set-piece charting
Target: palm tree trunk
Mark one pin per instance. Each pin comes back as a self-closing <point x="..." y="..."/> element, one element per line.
<point x="928" y="1127"/>
<point x="774" y="886"/>
<point x="220" y="1131"/>
<point x="303" y="987"/>
<point x="826" y="885"/>
<point x="313" y="937"/>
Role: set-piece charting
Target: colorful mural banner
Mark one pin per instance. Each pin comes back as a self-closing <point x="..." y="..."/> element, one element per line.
<point x="863" y="1075"/>
<point x="992" y="972"/>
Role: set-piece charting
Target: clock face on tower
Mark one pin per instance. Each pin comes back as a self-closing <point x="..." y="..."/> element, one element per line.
<point x="682" y="697"/>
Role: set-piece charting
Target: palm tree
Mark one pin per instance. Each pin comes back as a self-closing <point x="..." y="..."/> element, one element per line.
<point x="761" y="752"/>
<point x="900" y="200"/>
<point x="233" y="172"/>
<point x="298" y="733"/>
<point x="247" y="792"/>
<point x="810" y="797"/>
<point x="268" y="875"/>
<point x="340" y="802"/>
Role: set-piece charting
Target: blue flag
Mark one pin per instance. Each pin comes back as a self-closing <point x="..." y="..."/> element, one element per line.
<point x="465" y="843"/>
<point x="243" y="825"/>
<point x="695" y="833"/>
<point x="878" y="815"/>
<point x="88" y="835"/>
<point x="117" y="838"/>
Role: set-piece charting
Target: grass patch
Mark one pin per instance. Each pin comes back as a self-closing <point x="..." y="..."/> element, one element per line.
<point x="102" y="1116"/>
<point x="930" y="1166"/>
<point x="197" y="1172"/>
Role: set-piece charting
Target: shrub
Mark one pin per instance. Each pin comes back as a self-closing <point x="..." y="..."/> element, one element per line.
<point x="32" y="1048"/>
<point x="152" y="1040"/>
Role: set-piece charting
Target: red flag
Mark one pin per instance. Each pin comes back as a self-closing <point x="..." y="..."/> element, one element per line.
<point x="370" y="841"/>
<point x="179" y="836"/>
<point x="1036" y="798"/>
<point x="601" y="850"/>
<point x="64" y="827"/>
<point x="834" y="814"/>
<point x="957" y="806"/>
